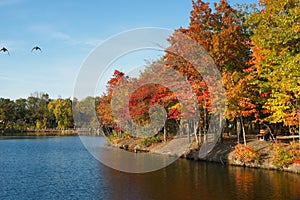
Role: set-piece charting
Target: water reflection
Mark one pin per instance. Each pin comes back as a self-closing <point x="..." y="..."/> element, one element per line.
<point x="61" y="168"/>
<point x="123" y="160"/>
<point x="264" y="184"/>
<point x="206" y="181"/>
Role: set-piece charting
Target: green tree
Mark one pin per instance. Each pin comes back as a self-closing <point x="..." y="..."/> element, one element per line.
<point x="21" y="113"/>
<point x="38" y="114"/>
<point x="62" y="110"/>
<point x="84" y="112"/>
<point x="276" y="59"/>
<point x="7" y="114"/>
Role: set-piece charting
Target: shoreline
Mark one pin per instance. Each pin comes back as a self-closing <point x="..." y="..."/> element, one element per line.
<point x="41" y="132"/>
<point x="222" y="153"/>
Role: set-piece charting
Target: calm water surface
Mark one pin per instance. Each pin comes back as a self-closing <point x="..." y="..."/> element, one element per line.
<point x="61" y="168"/>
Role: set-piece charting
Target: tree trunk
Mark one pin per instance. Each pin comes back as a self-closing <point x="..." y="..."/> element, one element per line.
<point x="181" y="127"/>
<point x="187" y="125"/>
<point x="204" y="127"/>
<point x="299" y="126"/>
<point x="243" y="129"/>
<point x="165" y="134"/>
<point x="238" y="129"/>
<point x="221" y="128"/>
<point x="200" y="136"/>
<point x="273" y="138"/>
<point x="195" y="125"/>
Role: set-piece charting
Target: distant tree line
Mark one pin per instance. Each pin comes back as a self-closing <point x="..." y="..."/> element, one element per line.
<point x="38" y="111"/>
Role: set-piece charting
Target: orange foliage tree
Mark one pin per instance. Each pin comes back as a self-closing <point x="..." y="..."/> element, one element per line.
<point x="222" y="34"/>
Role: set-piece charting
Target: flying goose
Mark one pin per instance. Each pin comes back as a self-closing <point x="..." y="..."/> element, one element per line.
<point x="4" y="50"/>
<point x="36" y="48"/>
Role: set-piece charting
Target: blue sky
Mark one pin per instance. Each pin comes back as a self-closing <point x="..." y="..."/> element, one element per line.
<point x="68" y="31"/>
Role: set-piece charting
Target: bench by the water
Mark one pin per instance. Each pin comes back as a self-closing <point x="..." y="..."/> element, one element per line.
<point x="260" y="136"/>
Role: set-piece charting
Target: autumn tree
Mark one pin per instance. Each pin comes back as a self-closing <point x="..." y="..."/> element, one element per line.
<point x="153" y="91"/>
<point x="221" y="33"/>
<point x="276" y="59"/>
<point x="104" y="110"/>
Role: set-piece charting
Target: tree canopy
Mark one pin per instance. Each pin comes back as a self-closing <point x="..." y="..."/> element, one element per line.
<point x="256" y="50"/>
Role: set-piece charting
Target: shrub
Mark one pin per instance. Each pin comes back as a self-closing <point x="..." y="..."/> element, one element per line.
<point x="150" y="140"/>
<point x="284" y="156"/>
<point x="127" y="135"/>
<point x="145" y="142"/>
<point x="114" y="137"/>
<point x="246" y="154"/>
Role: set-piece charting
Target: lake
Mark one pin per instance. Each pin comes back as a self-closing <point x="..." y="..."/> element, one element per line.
<point x="61" y="168"/>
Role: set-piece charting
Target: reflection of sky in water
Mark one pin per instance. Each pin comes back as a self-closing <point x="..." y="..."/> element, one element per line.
<point x="123" y="160"/>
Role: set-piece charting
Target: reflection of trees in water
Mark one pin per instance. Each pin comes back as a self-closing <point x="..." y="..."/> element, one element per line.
<point x="206" y="181"/>
<point x="264" y="184"/>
